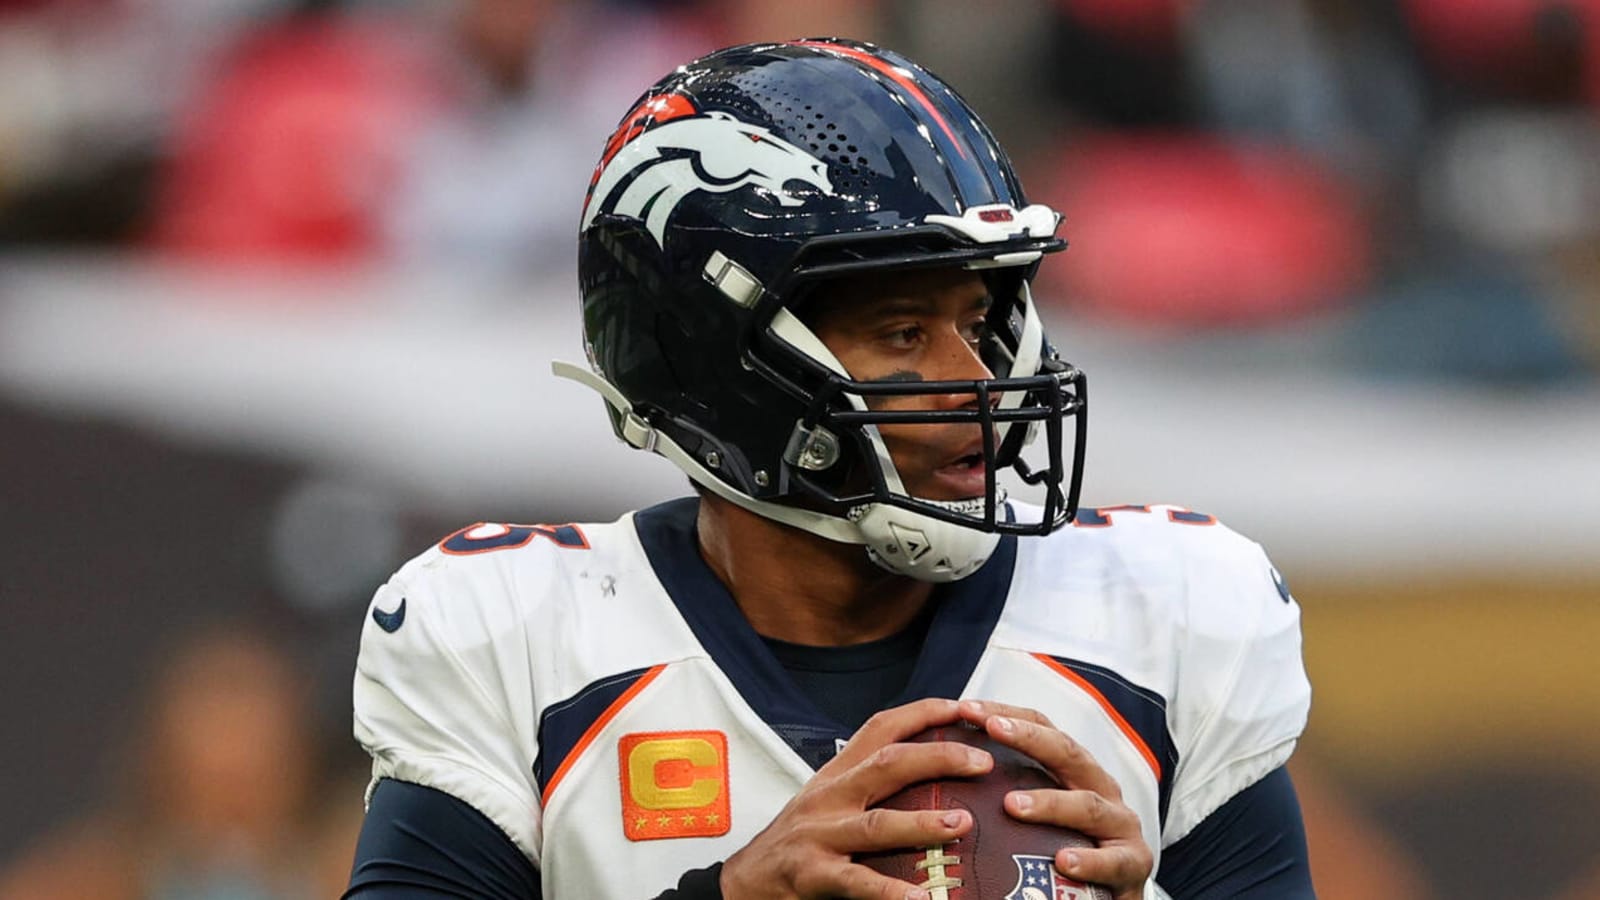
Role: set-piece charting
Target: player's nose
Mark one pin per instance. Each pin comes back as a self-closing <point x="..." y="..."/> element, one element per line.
<point x="956" y="358"/>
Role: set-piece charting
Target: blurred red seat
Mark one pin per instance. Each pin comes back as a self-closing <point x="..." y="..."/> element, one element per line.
<point x="287" y="150"/>
<point x="1190" y="230"/>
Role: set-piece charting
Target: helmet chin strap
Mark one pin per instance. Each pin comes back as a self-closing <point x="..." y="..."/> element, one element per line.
<point x="900" y="540"/>
<point x="919" y="546"/>
<point x="910" y="543"/>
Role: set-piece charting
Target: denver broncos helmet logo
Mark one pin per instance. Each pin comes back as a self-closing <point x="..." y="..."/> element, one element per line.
<point x="646" y="173"/>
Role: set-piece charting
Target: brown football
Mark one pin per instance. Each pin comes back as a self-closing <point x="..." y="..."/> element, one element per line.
<point x="1001" y="858"/>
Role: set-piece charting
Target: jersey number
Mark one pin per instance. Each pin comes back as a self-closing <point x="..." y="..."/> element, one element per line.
<point x="486" y="536"/>
<point x="1100" y="516"/>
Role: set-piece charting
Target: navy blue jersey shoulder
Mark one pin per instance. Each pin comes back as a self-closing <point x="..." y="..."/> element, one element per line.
<point x="1144" y="710"/>
<point x="562" y="725"/>
<point x="1253" y="848"/>
<point x="964" y="616"/>
<point x="418" y="843"/>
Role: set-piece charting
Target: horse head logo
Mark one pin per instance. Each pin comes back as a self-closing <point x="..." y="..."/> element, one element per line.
<point x="653" y="172"/>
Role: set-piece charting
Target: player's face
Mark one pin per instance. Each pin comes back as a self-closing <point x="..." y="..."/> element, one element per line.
<point x="908" y="327"/>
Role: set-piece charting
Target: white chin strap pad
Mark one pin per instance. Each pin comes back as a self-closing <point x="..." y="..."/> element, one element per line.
<point x="921" y="547"/>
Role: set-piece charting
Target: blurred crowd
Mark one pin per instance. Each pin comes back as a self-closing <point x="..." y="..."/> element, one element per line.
<point x="1417" y="181"/>
<point x="217" y="791"/>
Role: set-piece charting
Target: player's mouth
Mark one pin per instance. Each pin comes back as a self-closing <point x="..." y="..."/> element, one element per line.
<point x="963" y="476"/>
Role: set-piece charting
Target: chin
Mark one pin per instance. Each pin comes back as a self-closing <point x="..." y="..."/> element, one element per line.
<point x="955" y="485"/>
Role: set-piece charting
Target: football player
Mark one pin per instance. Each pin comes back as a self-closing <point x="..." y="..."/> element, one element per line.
<point x="804" y="272"/>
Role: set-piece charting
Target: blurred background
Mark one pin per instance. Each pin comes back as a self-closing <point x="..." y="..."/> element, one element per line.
<point x="280" y="283"/>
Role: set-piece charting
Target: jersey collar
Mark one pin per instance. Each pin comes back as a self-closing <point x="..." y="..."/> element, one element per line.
<point x="964" y="617"/>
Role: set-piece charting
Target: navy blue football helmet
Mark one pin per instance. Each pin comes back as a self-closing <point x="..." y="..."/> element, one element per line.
<point x="734" y="188"/>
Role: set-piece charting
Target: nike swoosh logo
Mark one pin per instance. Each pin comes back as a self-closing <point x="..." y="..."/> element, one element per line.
<point x="390" y="621"/>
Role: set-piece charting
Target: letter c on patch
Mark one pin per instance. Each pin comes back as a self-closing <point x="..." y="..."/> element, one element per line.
<point x="674" y="784"/>
<point x="658" y="769"/>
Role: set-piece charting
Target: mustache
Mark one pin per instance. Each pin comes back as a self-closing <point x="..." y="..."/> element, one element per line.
<point x="902" y="376"/>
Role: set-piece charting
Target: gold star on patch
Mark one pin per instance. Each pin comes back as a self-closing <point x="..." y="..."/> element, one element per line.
<point x="641" y="822"/>
<point x="688" y="820"/>
<point x="713" y="819"/>
<point x="664" y="821"/>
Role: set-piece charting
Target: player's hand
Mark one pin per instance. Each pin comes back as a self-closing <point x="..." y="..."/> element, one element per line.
<point x="806" y="851"/>
<point x="1090" y="800"/>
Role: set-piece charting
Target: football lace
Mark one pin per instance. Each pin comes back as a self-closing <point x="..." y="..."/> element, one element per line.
<point x="938" y="883"/>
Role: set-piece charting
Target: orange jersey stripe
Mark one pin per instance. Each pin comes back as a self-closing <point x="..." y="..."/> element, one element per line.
<point x="1122" y="724"/>
<point x="593" y="730"/>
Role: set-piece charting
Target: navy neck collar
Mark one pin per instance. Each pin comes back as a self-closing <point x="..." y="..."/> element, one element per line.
<point x="964" y="615"/>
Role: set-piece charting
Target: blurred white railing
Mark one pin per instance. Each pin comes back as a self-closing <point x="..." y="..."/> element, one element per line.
<point x="438" y="385"/>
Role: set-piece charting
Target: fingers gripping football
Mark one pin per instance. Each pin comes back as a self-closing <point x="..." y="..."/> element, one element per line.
<point x="1090" y="800"/>
<point x="897" y="765"/>
<point x="806" y="851"/>
<point x="891" y="725"/>
<point x="1032" y="733"/>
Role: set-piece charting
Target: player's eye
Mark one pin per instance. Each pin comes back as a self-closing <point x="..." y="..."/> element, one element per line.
<point x="904" y="337"/>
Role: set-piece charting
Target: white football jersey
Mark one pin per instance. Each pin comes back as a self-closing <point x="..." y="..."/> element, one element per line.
<point x="594" y="691"/>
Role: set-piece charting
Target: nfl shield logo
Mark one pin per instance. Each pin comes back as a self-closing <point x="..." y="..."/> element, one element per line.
<point x="1037" y="879"/>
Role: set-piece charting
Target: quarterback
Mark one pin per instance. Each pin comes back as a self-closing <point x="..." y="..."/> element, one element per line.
<point x="805" y="274"/>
